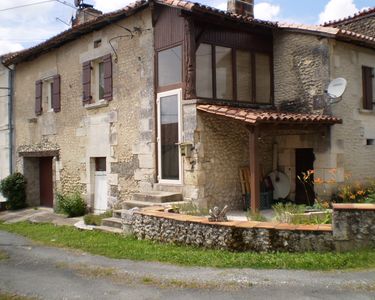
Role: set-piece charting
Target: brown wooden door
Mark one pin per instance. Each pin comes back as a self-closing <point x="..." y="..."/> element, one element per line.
<point x="304" y="161"/>
<point x="46" y="183"/>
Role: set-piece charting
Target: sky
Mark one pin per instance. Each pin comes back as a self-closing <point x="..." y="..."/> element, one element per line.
<point x="24" y="27"/>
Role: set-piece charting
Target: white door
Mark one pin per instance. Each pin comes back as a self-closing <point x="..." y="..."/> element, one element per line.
<point x="169" y="137"/>
<point x="100" y="185"/>
<point x="100" y="200"/>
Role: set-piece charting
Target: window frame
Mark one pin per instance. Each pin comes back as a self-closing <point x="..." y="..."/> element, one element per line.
<point x="368" y="86"/>
<point x="175" y="86"/>
<point x="252" y="99"/>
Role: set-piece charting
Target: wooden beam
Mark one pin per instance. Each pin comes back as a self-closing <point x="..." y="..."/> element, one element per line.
<point x="254" y="169"/>
<point x="189" y="61"/>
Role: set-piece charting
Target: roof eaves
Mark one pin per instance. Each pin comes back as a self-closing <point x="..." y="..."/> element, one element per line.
<point x="357" y="16"/>
<point x="74" y="32"/>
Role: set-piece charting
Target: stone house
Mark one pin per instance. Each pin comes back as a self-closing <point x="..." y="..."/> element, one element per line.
<point x="172" y="98"/>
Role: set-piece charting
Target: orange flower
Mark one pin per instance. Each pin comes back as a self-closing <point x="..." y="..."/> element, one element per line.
<point x="352" y="197"/>
<point x="318" y="180"/>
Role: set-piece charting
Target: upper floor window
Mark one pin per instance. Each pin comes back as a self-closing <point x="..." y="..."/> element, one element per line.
<point x="368" y="79"/>
<point x="233" y="74"/>
<point x="170" y="66"/>
<point x="47" y="95"/>
<point x="97" y="80"/>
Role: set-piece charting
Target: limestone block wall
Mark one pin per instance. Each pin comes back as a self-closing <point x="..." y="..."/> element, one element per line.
<point x="301" y="70"/>
<point x="352" y="155"/>
<point x="121" y="130"/>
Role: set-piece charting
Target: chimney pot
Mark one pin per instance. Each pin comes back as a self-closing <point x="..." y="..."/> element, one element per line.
<point x="241" y="7"/>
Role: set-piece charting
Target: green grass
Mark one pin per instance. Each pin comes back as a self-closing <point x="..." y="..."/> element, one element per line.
<point x="11" y="296"/>
<point x="116" y="246"/>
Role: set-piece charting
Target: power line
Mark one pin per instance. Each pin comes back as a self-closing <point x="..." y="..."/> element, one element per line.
<point x="26" y="5"/>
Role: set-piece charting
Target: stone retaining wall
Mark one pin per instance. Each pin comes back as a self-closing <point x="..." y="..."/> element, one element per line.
<point x="353" y="227"/>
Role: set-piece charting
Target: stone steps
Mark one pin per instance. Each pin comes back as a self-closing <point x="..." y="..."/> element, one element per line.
<point x="157" y="197"/>
<point x="109" y="229"/>
<point x="112" y="222"/>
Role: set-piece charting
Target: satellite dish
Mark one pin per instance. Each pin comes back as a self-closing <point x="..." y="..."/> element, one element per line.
<point x="336" y="87"/>
<point x="77" y="3"/>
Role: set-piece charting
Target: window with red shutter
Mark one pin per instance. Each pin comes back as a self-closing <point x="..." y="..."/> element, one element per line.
<point x="86" y="82"/>
<point x="56" y="93"/>
<point x="368" y="87"/>
<point x="38" y="97"/>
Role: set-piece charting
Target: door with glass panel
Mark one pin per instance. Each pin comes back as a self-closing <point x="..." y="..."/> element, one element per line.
<point x="169" y="161"/>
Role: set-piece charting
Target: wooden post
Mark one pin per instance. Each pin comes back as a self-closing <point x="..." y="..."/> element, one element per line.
<point x="254" y="169"/>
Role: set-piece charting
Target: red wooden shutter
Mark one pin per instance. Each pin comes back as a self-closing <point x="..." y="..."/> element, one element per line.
<point x="56" y="94"/>
<point x="38" y="97"/>
<point x="367" y="78"/>
<point x="86" y="82"/>
<point x="107" y="60"/>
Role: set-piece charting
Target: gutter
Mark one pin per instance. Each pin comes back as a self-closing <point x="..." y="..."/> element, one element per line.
<point x="10" y="115"/>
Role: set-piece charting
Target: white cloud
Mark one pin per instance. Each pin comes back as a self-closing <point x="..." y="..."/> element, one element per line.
<point x="8" y="46"/>
<point x="337" y="9"/>
<point x="266" y="11"/>
<point x="110" y="5"/>
<point x="222" y="6"/>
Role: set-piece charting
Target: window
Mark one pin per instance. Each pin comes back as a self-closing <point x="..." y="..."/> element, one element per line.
<point x="368" y="79"/>
<point x="224" y="77"/>
<point x="204" y="71"/>
<point x="97" y="80"/>
<point x="47" y="95"/>
<point x="239" y="75"/>
<point x="170" y="66"/>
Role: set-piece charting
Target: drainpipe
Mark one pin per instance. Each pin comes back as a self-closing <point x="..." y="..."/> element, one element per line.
<point x="10" y="115"/>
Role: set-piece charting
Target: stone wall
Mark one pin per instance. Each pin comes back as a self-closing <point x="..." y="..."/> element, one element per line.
<point x="364" y="26"/>
<point x="301" y="70"/>
<point x="121" y="130"/>
<point x="223" y="148"/>
<point x="354" y="226"/>
<point x="234" y="236"/>
<point x="4" y="128"/>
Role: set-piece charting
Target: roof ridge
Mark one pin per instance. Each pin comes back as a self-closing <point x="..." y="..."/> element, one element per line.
<point x="359" y="14"/>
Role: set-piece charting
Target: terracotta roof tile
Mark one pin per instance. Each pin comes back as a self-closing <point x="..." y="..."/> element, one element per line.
<point x="350" y="19"/>
<point x="255" y="116"/>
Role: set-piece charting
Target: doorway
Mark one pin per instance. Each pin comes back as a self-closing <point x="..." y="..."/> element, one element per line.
<point x="304" y="162"/>
<point x="101" y="187"/>
<point x="46" y="181"/>
<point x="169" y="159"/>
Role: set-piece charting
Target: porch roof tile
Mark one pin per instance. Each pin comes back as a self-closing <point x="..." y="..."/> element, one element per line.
<point x="256" y="116"/>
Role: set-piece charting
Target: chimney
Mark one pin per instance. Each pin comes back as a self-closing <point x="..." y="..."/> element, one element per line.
<point x="241" y="7"/>
<point x="85" y="13"/>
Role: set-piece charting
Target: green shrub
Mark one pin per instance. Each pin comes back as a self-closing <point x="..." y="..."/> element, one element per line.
<point x="96" y="220"/>
<point x="72" y="204"/>
<point x="13" y="188"/>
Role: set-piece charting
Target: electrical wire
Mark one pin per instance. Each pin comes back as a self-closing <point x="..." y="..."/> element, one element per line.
<point x="26" y="5"/>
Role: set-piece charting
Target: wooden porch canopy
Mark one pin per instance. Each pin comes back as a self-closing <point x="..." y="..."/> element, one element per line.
<point x="255" y="117"/>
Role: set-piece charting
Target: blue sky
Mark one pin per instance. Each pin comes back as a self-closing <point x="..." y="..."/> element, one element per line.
<point x="25" y="27"/>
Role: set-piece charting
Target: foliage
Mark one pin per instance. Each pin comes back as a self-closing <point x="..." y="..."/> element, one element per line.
<point x="115" y="246"/>
<point x="71" y="204"/>
<point x="255" y="216"/>
<point x="96" y="220"/>
<point x="13" y="187"/>
<point x="354" y="192"/>
<point x="190" y="208"/>
<point x="370" y="199"/>
<point x="296" y="214"/>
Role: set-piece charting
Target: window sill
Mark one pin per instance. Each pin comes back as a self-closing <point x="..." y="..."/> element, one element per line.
<point x="369" y="112"/>
<point x="100" y="103"/>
